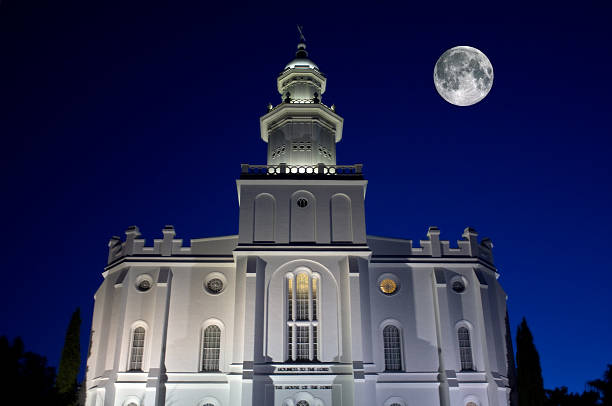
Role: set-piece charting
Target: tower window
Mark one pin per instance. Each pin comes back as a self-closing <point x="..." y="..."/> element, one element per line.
<point x="301" y="202"/>
<point x="393" y="353"/>
<point x="388" y="286"/>
<point x="211" y="348"/>
<point x="137" y="351"/>
<point x="214" y="286"/>
<point x="465" y="349"/>
<point x="302" y="320"/>
<point x="458" y="284"/>
<point x="144" y="282"/>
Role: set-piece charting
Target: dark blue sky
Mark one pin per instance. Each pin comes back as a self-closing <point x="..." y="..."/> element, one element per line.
<point x="113" y="114"/>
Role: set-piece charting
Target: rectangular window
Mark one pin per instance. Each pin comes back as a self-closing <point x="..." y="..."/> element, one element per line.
<point x="290" y="299"/>
<point x="137" y="349"/>
<point x="314" y="299"/>
<point x="302" y="344"/>
<point x="302" y="297"/>
<point x="315" y="343"/>
<point x="391" y="342"/>
<point x="290" y="342"/>
<point x="465" y="349"/>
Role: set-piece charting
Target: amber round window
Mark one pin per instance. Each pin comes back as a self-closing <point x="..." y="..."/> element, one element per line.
<point x="388" y="286"/>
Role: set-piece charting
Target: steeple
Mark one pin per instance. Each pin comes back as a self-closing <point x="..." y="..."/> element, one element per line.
<point x="301" y="130"/>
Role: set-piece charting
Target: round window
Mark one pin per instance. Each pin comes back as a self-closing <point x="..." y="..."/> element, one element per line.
<point x="214" y="286"/>
<point x="144" y="285"/>
<point x="301" y="403"/>
<point x="388" y="286"/>
<point x="301" y="202"/>
<point x="144" y="282"/>
<point x="458" y="285"/>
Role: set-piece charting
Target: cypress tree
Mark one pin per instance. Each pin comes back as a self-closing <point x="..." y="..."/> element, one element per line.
<point x="529" y="380"/>
<point x="511" y="364"/>
<point x="70" y="361"/>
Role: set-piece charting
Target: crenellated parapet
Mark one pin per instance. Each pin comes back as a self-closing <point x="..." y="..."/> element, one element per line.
<point x="468" y="246"/>
<point x="135" y="245"/>
<point x="168" y="246"/>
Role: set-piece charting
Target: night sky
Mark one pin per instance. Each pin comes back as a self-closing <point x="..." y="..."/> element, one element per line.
<point x="122" y="113"/>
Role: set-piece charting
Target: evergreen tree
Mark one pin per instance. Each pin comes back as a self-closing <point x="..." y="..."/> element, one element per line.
<point x="70" y="361"/>
<point x="561" y="397"/>
<point x="529" y="377"/>
<point x="604" y="386"/>
<point x="25" y="376"/>
<point x="511" y="364"/>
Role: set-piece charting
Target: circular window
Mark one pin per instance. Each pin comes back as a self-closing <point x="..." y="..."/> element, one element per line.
<point x="301" y="403"/>
<point x="144" y="282"/>
<point x="471" y="404"/>
<point x="458" y="284"/>
<point x="214" y="286"/>
<point x="301" y="202"/>
<point x="388" y="286"/>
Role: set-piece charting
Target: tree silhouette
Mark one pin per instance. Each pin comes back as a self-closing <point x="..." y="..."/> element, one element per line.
<point x="25" y="377"/>
<point x="70" y="361"/>
<point x="560" y="397"/>
<point x="511" y="364"/>
<point x="604" y="386"/>
<point x="529" y="377"/>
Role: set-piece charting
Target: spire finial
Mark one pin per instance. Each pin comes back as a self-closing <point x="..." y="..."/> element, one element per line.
<point x="301" y="32"/>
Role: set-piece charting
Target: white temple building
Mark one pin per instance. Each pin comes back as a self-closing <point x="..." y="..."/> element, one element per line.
<point x="301" y="308"/>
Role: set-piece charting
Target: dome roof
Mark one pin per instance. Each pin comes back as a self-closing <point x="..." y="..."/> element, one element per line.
<point x="301" y="63"/>
<point x="301" y="59"/>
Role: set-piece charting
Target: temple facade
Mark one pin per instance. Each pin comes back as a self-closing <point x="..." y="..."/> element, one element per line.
<point x="302" y="307"/>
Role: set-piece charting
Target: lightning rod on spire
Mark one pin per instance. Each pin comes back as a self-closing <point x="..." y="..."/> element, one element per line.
<point x="301" y="32"/>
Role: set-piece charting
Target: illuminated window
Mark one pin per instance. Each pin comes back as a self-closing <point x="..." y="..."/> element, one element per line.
<point x="211" y="348"/>
<point x="302" y="317"/>
<point x="388" y="286"/>
<point x="392" y="346"/>
<point x="465" y="349"/>
<point x="137" y="350"/>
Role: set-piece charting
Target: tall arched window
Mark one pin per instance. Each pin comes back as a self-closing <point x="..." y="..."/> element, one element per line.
<point x="465" y="349"/>
<point x="302" y="319"/>
<point x="211" y="348"/>
<point x="137" y="350"/>
<point x="393" y="352"/>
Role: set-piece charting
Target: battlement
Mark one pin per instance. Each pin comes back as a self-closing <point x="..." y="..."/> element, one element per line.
<point x="433" y="247"/>
<point x="168" y="245"/>
<point x="382" y="247"/>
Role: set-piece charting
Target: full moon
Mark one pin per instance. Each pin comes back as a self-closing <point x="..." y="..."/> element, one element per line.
<point x="463" y="76"/>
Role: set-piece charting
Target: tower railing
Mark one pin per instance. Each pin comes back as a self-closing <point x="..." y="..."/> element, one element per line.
<point x="320" y="169"/>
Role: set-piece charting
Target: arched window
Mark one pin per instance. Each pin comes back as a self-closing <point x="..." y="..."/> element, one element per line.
<point x="393" y="352"/>
<point x="465" y="349"/>
<point x="137" y="350"/>
<point x="302" y="317"/>
<point x="211" y="348"/>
